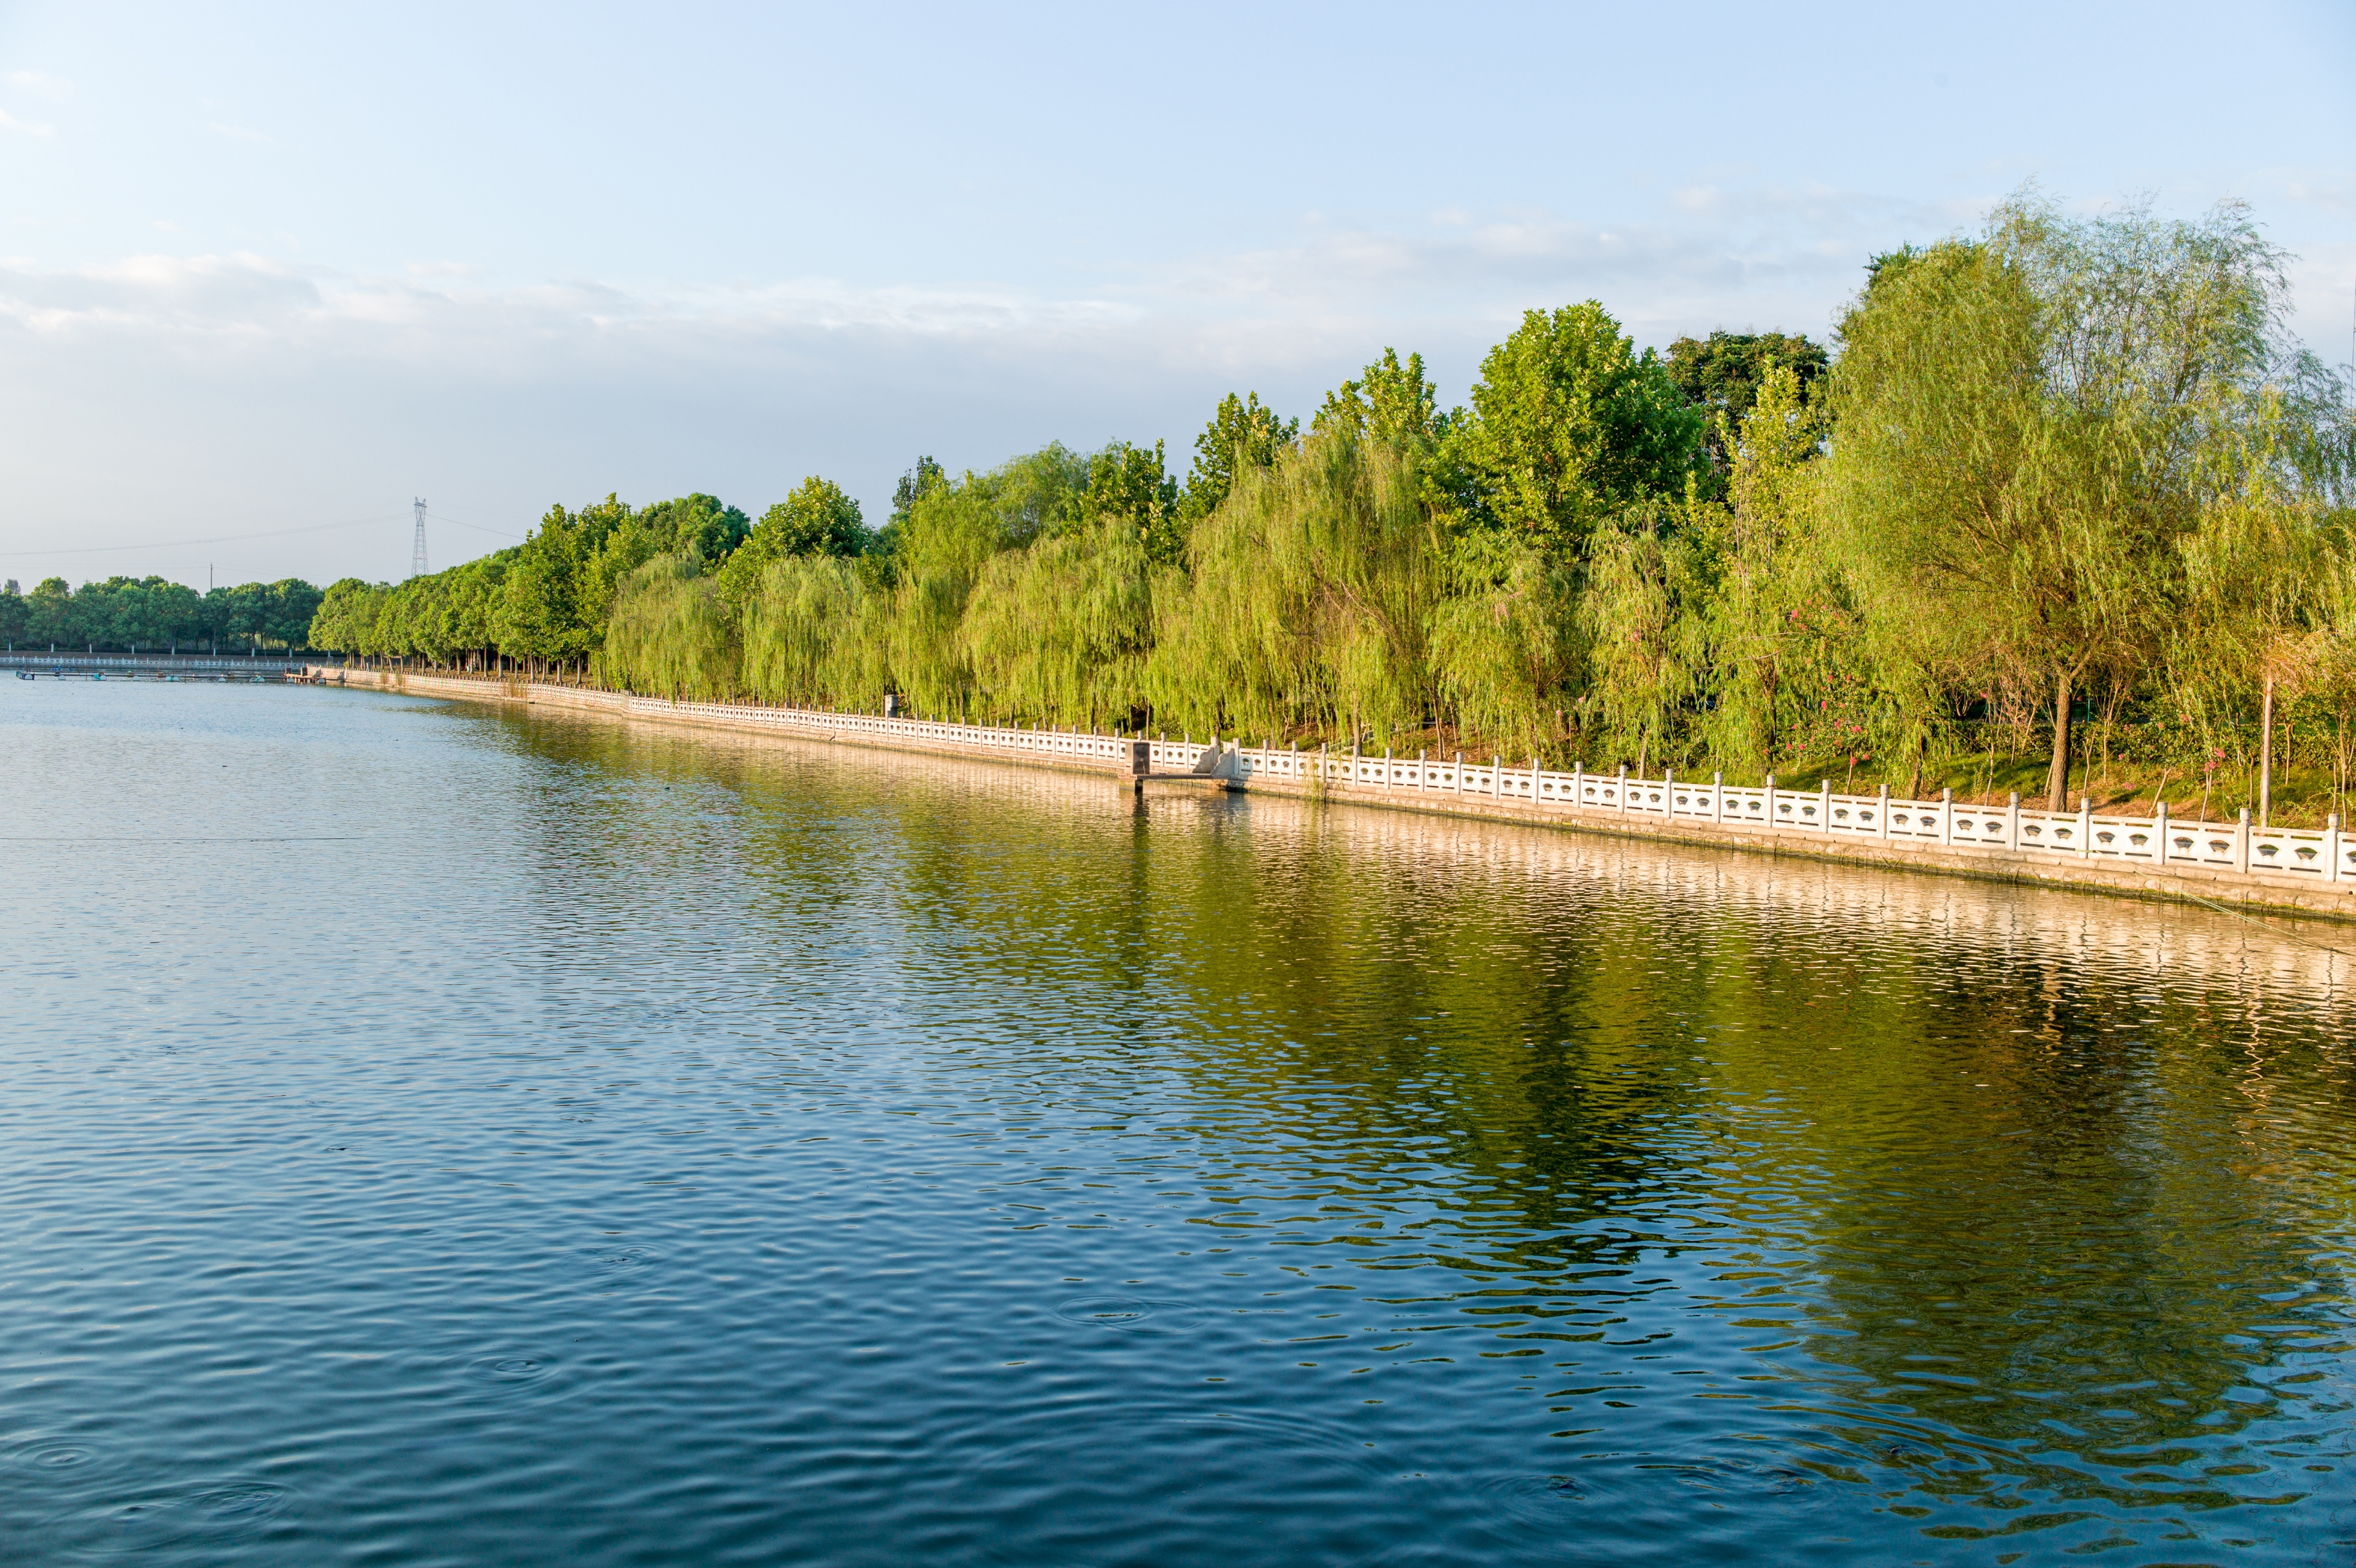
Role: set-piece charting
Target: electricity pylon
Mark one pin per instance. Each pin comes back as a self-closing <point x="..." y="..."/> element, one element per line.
<point x="417" y="550"/>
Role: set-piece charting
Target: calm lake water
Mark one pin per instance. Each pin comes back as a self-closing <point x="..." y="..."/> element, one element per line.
<point x="437" y="1136"/>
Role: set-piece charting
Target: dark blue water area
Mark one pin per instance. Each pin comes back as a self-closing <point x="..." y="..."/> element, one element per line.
<point x="433" y="1134"/>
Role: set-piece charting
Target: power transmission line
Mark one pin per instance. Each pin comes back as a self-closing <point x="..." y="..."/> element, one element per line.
<point x="186" y="544"/>
<point x="239" y="539"/>
<point x="445" y="518"/>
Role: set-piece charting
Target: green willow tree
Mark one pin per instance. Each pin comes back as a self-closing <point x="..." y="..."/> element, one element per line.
<point x="1307" y="598"/>
<point x="1770" y="579"/>
<point x="2260" y="583"/>
<point x="670" y="634"/>
<point x="2030" y="425"/>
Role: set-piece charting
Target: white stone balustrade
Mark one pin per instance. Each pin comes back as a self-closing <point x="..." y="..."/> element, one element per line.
<point x="2325" y="855"/>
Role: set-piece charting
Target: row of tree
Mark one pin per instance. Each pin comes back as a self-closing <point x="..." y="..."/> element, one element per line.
<point x="150" y="612"/>
<point x="2057" y="471"/>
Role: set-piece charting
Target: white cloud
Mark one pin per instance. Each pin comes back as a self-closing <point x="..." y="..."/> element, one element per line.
<point x="237" y="132"/>
<point x="39" y="83"/>
<point x="165" y="299"/>
<point x="241" y="387"/>
<point x="1766" y="256"/>
<point x="24" y="127"/>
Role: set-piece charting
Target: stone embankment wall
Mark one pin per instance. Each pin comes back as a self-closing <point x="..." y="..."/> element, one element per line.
<point x="2310" y="870"/>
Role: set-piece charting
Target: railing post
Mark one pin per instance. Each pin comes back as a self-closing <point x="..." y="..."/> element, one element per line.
<point x="1578" y="784"/>
<point x="1387" y="767"/>
<point x="1534" y="780"/>
<point x="1825" y="807"/>
<point x="2159" y="831"/>
<point x="2242" y="843"/>
<point x="1717" y="796"/>
<point x="2085" y="827"/>
<point x="1422" y="769"/>
<point x="1460" y="773"/>
<point x="1881" y="814"/>
<point x="1619" y="799"/>
<point x="1496" y="777"/>
<point x="2331" y="848"/>
<point x="1669" y="794"/>
<point x="1771" y="803"/>
<point x="1946" y="816"/>
<point x="2012" y="822"/>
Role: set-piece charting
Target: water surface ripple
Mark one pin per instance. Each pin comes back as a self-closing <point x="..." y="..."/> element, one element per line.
<point x="433" y="1135"/>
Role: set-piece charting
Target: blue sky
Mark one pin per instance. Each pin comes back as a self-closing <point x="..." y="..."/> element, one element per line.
<point x="271" y="268"/>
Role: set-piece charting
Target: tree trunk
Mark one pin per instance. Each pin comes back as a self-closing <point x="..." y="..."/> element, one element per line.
<point x="2266" y="755"/>
<point x="2057" y="778"/>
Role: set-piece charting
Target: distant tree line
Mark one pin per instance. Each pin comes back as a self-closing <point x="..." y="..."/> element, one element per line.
<point x="2062" y="480"/>
<point x="123" y="613"/>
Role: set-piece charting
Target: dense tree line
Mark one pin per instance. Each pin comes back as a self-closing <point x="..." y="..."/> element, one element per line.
<point x="2056" y="474"/>
<point x="151" y="614"/>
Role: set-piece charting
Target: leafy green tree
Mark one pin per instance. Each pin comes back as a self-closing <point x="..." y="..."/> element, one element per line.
<point x="1506" y="641"/>
<point x="286" y="619"/>
<point x="1889" y="266"/>
<point x="1241" y="435"/>
<point x="335" y="624"/>
<point x="1390" y="402"/>
<point x="548" y="602"/>
<point x="1722" y="373"/>
<point x="15" y="615"/>
<point x="257" y="614"/>
<point x="951" y="531"/>
<point x="50" y="614"/>
<point x="474" y="604"/>
<point x="922" y="480"/>
<point x="1569" y="426"/>
<point x="700" y="526"/>
<point x="817" y="519"/>
<point x="2260" y="575"/>
<point x="1131" y="487"/>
